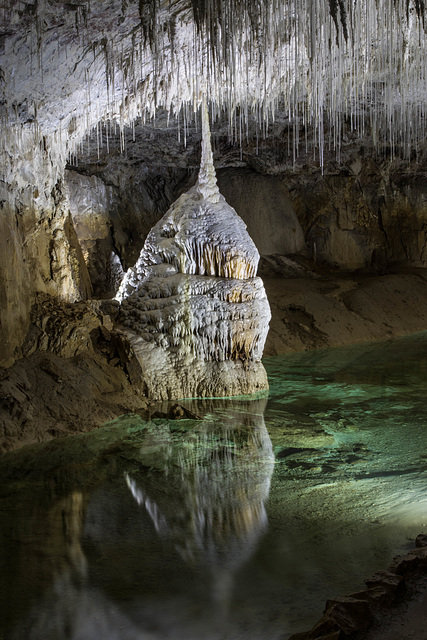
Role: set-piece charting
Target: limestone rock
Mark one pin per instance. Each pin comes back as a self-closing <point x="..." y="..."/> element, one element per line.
<point x="345" y="614"/>
<point x="15" y="292"/>
<point x="39" y="249"/>
<point x="421" y="540"/>
<point x="63" y="329"/>
<point x="412" y="561"/>
<point x="383" y="588"/>
<point x="200" y="234"/>
<point x="366" y="614"/>
<point x="264" y="204"/>
<point x="69" y="353"/>
<point x="196" y="314"/>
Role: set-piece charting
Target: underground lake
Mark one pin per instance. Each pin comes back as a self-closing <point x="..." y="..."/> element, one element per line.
<point x="238" y="522"/>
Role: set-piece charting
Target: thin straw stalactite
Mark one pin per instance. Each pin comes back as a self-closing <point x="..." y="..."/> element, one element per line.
<point x="330" y="69"/>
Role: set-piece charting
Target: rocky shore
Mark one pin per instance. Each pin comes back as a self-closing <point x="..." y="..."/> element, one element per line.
<point x="312" y="310"/>
<point x="392" y="607"/>
<point x="75" y="371"/>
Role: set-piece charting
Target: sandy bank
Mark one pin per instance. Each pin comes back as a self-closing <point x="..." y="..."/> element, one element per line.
<point x="327" y="311"/>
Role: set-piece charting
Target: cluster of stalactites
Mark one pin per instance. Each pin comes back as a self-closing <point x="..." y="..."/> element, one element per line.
<point x="333" y="67"/>
<point x="199" y="257"/>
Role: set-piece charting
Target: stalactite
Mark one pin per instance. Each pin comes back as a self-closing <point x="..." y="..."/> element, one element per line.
<point x="334" y="66"/>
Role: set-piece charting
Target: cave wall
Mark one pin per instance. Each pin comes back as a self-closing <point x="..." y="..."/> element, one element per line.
<point x="114" y="209"/>
<point x="264" y="204"/>
<point x="366" y="215"/>
<point x="39" y="249"/>
<point x="363" y="215"/>
<point x="59" y="230"/>
<point x="115" y="217"/>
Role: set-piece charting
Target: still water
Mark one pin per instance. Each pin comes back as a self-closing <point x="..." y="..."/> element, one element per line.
<point x="236" y="525"/>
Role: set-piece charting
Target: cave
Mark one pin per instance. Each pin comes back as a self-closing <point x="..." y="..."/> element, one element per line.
<point x="306" y="120"/>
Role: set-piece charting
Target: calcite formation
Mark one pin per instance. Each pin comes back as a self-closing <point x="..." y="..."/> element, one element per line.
<point x="194" y="310"/>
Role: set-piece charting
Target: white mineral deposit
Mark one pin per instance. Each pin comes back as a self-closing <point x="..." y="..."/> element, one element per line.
<point x="194" y="310"/>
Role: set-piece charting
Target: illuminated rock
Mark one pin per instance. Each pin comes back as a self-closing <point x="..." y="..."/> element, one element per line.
<point x="193" y="308"/>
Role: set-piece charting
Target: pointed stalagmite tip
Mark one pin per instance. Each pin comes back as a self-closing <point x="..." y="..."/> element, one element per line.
<point x="206" y="183"/>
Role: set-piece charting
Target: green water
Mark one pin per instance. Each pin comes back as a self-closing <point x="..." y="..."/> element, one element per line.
<point x="237" y="525"/>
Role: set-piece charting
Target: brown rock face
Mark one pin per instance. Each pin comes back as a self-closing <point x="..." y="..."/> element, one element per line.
<point x="76" y="373"/>
<point x="15" y="288"/>
<point x="113" y="210"/>
<point x="366" y="214"/>
<point x="39" y="251"/>
<point x="265" y="205"/>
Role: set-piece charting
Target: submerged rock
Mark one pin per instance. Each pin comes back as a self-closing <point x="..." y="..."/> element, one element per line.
<point x="195" y="312"/>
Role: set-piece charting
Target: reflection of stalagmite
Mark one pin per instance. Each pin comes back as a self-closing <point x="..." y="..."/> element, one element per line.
<point x="218" y="477"/>
<point x="202" y="485"/>
<point x="72" y="509"/>
<point x="224" y="480"/>
<point x="213" y="512"/>
<point x="194" y="309"/>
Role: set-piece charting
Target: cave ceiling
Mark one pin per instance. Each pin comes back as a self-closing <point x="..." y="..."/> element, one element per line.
<point x="285" y="81"/>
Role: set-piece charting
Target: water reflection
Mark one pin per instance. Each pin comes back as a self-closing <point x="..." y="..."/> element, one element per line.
<point x="137" y="531"/>
<point x="158" y="529"/>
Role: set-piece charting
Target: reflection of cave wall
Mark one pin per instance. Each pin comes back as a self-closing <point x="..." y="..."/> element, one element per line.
<point x="144" y="527"/>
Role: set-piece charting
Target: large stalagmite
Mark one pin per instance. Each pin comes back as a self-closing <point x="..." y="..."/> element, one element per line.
<point x="195" y="311"/>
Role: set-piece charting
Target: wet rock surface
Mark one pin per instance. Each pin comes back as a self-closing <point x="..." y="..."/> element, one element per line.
<point x="390" y="608"/>
<point x="75" y="372"/>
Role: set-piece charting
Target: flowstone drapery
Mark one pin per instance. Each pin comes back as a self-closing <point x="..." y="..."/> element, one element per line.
<point x="192" y="306"/>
